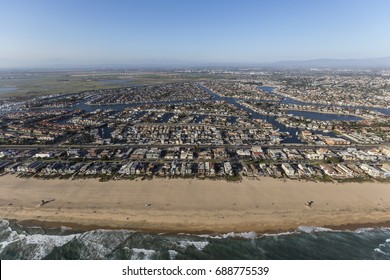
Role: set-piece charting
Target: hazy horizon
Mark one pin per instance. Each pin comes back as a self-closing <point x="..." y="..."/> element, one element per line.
<point x="178" y="33"/>
<point x="381" y="63"/>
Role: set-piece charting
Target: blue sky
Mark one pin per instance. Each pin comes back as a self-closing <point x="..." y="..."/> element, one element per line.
<point x="136" y="31"/>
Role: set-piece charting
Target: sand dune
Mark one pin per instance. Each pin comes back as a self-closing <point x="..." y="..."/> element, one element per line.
<point x="182" y="205"/>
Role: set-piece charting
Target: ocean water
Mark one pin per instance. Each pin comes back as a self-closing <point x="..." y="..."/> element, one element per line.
<point x="18" y="242"/>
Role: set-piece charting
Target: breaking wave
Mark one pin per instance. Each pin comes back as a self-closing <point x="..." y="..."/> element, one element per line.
<point x="19" y="242"/>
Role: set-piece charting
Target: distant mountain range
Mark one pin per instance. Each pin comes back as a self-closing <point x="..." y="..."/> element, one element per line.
<point x="332" y="63"/>
<point x="380" y="62"/>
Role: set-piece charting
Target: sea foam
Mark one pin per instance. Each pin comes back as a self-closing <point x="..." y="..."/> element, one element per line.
<point x="172" y="254"/>
<point x="200" y="245"/>
<point x="141" y="254"/>
<point x="38" y="245"/>
<point x="245" y="235"/>
<point x="311" y="229"/>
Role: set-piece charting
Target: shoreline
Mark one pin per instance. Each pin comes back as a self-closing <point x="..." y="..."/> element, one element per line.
<point x="194" y="206"/>
<point x="80" y="228"/>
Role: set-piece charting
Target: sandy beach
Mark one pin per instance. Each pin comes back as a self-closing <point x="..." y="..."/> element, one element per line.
<point x="190" y="205"/>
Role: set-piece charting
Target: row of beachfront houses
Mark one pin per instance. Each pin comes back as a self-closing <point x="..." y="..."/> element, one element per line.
<point x="302" y="170"/>
<point x="342" y="171"/>
<point x="172" y="168"/>
<point x="284" y="154"/>
<point x="201" y="169"/>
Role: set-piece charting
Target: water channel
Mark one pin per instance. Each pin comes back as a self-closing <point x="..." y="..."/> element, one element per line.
<point x="288" y="100"/>
<point x="270" y="119"/>
<point x="293" y="132"/>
